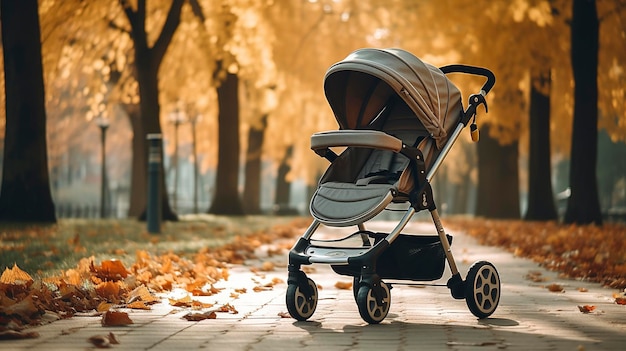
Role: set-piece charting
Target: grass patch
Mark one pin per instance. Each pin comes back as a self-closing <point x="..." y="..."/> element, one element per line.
<point x="46" y="250"/>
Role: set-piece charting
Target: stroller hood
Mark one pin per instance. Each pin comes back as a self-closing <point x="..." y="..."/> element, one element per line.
<point x="359" y="87"/>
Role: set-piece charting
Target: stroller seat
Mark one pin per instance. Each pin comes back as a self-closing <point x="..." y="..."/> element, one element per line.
<point x="339" y="203"/>
<point x="362" y="182"/>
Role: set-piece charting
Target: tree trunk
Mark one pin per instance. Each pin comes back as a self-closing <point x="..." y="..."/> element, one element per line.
<point x="139" y="173"/>
<point x="540" y="196"/>
<point x="226" y="199"/>
<point x="498" y="180"/>
<point x="583" y="206"/>
<point x="147" y="77"/>
<point x="25" y="192"/>
<point x="252" y="185"/>
<point x="147" y="62"/>
<point x="283" y="186"/>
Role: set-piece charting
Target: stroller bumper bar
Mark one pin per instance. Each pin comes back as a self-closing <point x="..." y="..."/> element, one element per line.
<point x="357" y="138"/>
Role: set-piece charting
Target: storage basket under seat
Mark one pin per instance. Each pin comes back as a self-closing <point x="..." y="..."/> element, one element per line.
<point x="409" y="257"/>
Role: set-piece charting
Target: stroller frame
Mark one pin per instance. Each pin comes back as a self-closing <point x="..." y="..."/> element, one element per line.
<point x="481" y="289"/>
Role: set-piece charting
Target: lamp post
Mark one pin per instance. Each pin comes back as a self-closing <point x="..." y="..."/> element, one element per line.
<point x="177" y="118"/>
<point x="103" y="123"/>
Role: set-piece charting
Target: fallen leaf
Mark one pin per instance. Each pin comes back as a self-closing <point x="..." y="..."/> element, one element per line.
<point x="536" y="276"/>
<point x="138" y="305"/>
<point x="586" y="308"/>
<point x="104" y="306"/>
<point x="555" y="288"/>
<point x="115" y="318"/>
<point x="108" y="290"/>
<point x="15" y="276"/>
<point x="620" y="300"/>
<point x="196" y="317"/>
<point x="100" y="341"/>
<point x="228" y="308"/>
<point x="113" y="339"/>
<point x="284" y="315"/>
<point x="110" y="270"/>
<point x="141" y="293"/>
<point x="25" y="308"/>
<point x="343" y="285"/>
<point x="267" y="266"/>
<point x="583" y="290"/>
<point x="103" y="341"/>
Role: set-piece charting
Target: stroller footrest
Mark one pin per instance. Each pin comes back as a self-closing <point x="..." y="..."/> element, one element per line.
<point x="333" y="255"/>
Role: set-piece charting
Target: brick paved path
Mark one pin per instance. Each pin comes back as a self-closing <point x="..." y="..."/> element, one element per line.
<point x="529" y="316"/>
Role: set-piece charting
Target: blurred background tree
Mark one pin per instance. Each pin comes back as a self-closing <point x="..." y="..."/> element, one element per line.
<point x="25" y="192"/>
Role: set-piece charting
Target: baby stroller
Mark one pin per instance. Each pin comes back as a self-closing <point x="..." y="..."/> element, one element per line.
<point x="398" y="119"/>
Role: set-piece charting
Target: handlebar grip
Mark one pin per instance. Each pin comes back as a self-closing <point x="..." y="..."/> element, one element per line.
<point x="478" y="71"/>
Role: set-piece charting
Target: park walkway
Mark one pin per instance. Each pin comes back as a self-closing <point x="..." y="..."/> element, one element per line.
<point x="529" y="317"/>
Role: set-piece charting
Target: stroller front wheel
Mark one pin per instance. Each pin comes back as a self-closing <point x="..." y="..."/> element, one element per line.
<point x="482" y="293"/>
<point x="302" y="300"/>
<point x="373" y="303"/>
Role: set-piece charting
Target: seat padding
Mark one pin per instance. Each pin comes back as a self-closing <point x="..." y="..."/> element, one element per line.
<point x="344" y="203"/>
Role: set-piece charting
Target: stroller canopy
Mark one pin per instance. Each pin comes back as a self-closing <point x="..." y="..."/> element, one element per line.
<point x="359" y="88"/>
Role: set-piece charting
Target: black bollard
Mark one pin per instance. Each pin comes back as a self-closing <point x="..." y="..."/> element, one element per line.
<point x="154" y="206"/>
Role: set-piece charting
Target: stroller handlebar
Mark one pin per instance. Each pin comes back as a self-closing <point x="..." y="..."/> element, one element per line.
<point x="478" y="71"/>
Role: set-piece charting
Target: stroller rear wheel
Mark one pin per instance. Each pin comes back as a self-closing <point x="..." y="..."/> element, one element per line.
<point x="373" y="302"/>
<point x="482" y="286"/>
<point x="302" y="300"/>
<point x="355" y="286"/>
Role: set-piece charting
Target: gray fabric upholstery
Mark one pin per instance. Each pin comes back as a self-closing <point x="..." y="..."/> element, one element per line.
<point x="342" y="203"/>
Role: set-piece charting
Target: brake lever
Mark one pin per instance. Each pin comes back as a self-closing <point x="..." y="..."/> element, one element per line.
<point x="479" y="99"/>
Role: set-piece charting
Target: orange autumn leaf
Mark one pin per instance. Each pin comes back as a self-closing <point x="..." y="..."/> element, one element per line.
<point x="182" y="302"/>
<point x="343" y="285"/>
<point x="110" y="270"/>
<point x="187" y="301"/>
<point x="196" y="317"/>
<point x="141" y="293"/>
<point x="555" y="288"/>
<point x="15" y="276"/>
<point x="108" y="290"/>
<point x="586" y="308"/>
<point x="104" y="306"/>
<point x="115" y="318"/>
<point x="620" y="300"/>
<point x="267" y="266"/>
<point x="228" y="308"/>
<point x="138" y="305"/>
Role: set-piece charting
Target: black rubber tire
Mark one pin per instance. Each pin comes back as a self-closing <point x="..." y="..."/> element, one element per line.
<point x="370" y="309"/>
<point x="482" y="289"/>
<point x="355" y="286"/>
<point x="301" y="305"/>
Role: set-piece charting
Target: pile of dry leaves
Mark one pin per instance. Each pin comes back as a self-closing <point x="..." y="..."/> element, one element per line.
<point x="105" y="287"/>
<point x="590" y="252"/>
